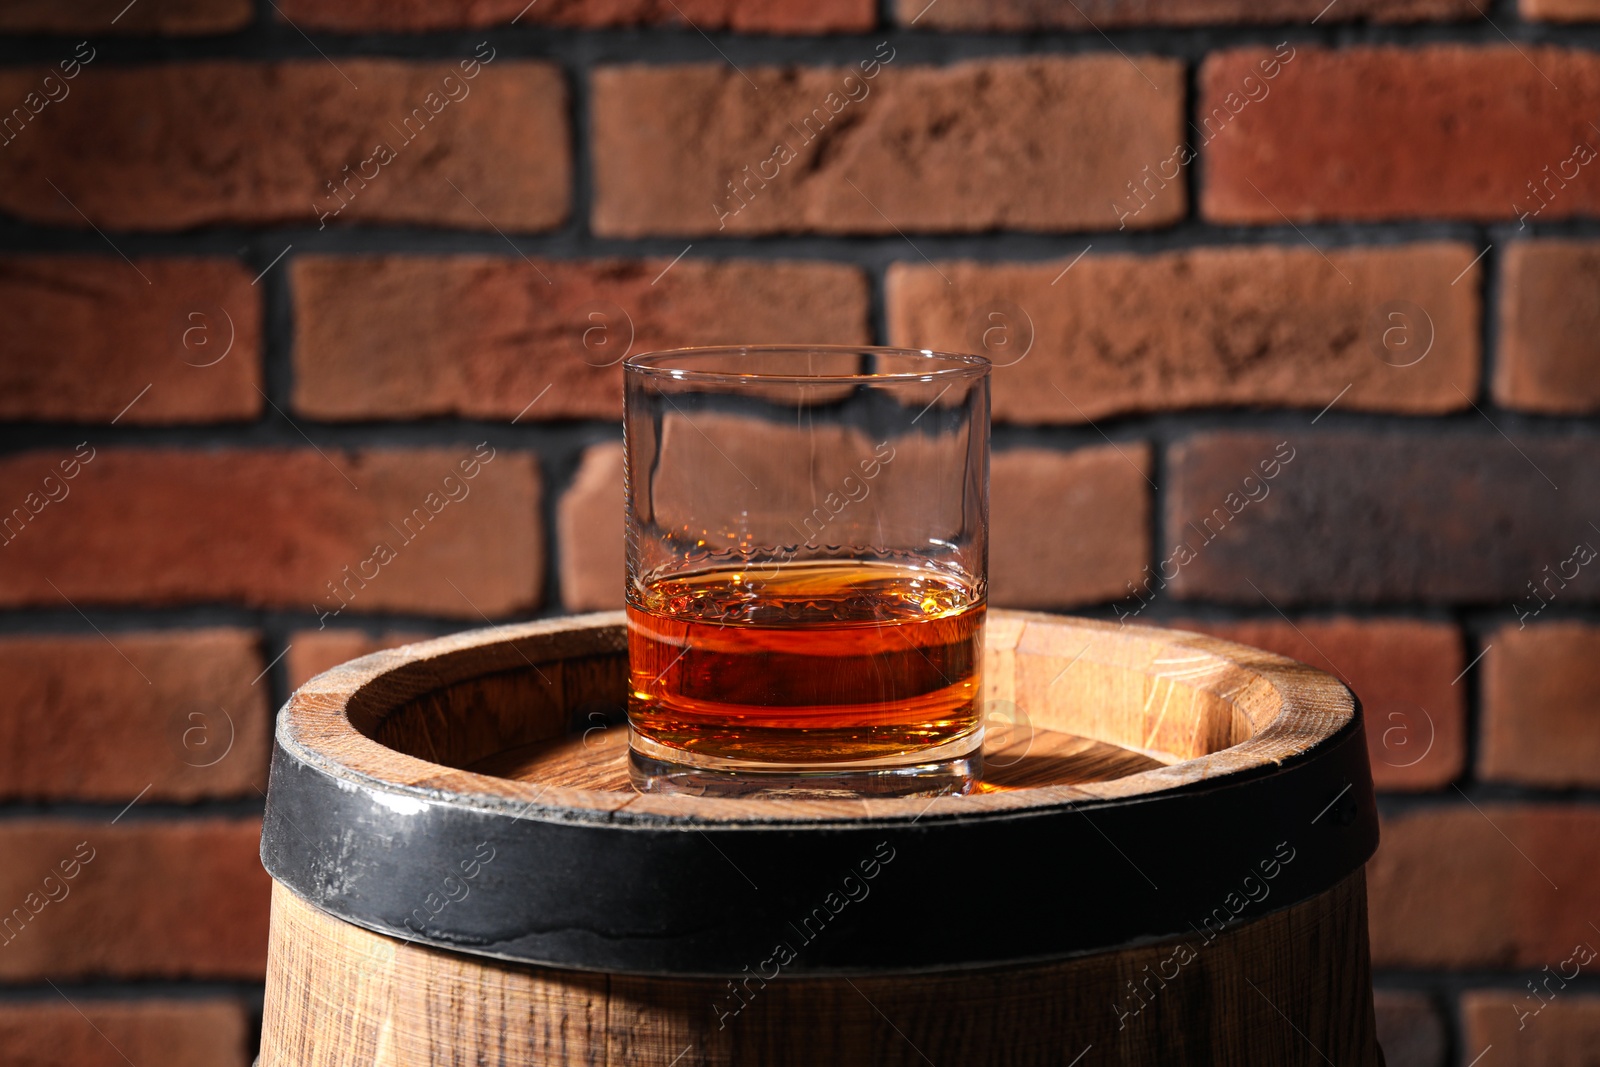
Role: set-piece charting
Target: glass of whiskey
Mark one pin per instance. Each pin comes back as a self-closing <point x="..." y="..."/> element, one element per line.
<point x="807" y="548"/>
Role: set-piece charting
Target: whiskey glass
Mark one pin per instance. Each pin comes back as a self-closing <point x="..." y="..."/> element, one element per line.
<point x="807" y="553"/>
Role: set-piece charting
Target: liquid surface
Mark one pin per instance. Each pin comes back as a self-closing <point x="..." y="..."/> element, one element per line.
<point x="806" y="662"/>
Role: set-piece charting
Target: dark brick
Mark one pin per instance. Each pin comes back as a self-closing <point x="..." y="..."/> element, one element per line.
<point x="1380" y="518"/>
<point x="1410" y="1031"/>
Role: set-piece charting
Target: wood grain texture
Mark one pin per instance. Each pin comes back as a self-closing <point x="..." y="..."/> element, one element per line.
<point x="428" y="716"/>
<point x="1292" y="987"/>
<point x="1045" y="919"/>
<point x="1123" y="749"/>
<point x="595" y="757"/>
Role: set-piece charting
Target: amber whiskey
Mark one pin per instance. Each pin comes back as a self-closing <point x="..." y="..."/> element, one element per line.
<point x="803" y="664"/>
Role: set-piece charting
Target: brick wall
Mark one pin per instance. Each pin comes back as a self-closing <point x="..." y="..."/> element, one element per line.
<point x="270" y="271"/>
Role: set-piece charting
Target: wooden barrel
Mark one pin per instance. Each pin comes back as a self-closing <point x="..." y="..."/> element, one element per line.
<point x="1163" y="866"/>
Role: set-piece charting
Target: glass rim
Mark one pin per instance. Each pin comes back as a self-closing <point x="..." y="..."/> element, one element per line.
<point x="951" y="364"/>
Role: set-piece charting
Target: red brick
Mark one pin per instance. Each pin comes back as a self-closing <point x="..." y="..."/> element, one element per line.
<point x="1402" y="669"/>
<point x="1067" y="528"/>
<point x="1454" y="887"/>
<point x="480" y="336"/>
<point x="1121" y="333"/>
<point x="278" y="529"/>
<point x="740" y="16"/>
<point x="1541" y="704"/>
<point x="1549" y="319"/>
<point x="1447" y="131"/>
<point x="88" y="334"/>
<point x="589" y="527"/>
<point x="1378" y="518"/>
<point x="177" y="17"/>
<point x="1564" y="1032"/>
<point x="1561" y="10"/>
<point x="313" y="651"/>
<point x="1410" y="1031"/>
<point x="194" y="144"/>
<point x="1026" y="144"/>
<point x="1021" y="15"/>
<point x="157" y="899"/>
<point x="181" y="714"/>
<point x="114" y="1033"/>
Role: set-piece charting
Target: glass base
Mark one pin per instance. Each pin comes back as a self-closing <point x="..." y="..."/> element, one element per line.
<point x="951" y="769"/>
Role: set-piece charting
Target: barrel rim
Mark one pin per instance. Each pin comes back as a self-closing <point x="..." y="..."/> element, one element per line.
<point x="316" y="727"/>
<point x="657" y="900"/>
<point x="629" y="889"/>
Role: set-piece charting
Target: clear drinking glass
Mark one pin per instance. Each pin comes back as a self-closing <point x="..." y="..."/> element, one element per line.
<point x="807" y="542"/>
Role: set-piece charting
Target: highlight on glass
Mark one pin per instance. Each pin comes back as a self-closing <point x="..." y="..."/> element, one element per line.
<point x="807" y="548"/>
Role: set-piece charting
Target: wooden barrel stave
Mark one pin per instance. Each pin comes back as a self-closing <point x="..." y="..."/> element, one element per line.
<point x="515" y="734"/>
<point x="1287" y="988"/>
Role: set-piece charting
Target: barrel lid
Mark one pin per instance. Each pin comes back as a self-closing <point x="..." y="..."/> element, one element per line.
<point x="470" y="793"/>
